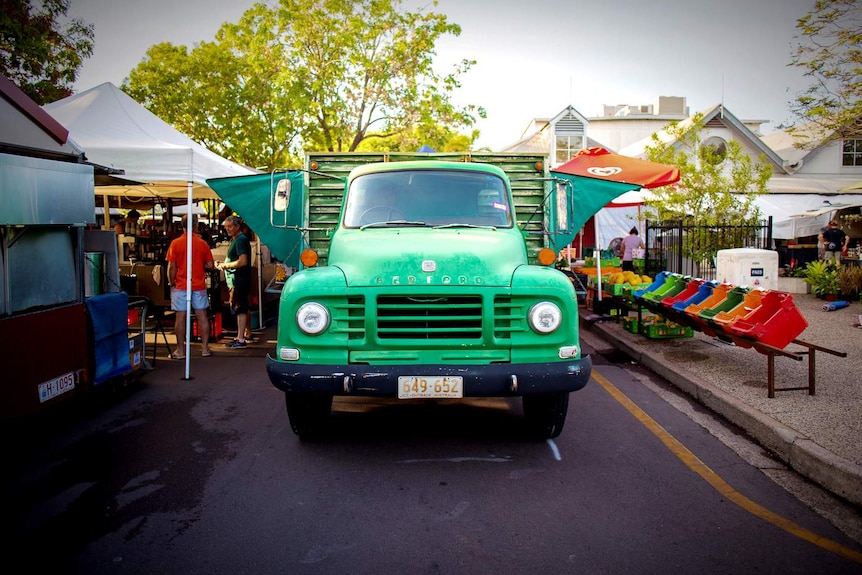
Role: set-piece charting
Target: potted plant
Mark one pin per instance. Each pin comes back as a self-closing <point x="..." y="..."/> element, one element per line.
<point x="823" y="277"/>
<point x="849" y="281"/>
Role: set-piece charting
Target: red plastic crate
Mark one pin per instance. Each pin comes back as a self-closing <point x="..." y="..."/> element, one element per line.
<point x="215" y="327"/>
<point x="777" y="321"/>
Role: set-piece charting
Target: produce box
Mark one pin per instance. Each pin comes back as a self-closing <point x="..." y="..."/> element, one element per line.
<point x="665" y="329"/>
<point x="632" y="325"/>
<point x="606" y="307"/>
<point x="606" y="263"/>
<point x="621" y="289"/>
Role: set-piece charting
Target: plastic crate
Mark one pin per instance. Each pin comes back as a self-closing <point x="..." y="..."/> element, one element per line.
<point x="621" y="289"/>
<point x="632" y="325"/>
<point x="215" y="327"/>
<point x="776" y="322"/>
<point x="606" y="263"/>
<point x="606" y="306"/>
<point x="664" y="330"/>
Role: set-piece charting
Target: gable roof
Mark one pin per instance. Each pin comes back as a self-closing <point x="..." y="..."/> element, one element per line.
<point x="716" y="116"/>
<point x="537" y="136"/>
<point x="784" y="142"/>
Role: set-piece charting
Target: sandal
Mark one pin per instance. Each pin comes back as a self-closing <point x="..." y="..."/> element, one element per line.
<point x="207" y="354"/>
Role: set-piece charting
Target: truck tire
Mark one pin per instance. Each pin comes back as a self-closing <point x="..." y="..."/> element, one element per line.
<point x="308" y="414"/>
<point x="546" y="413"/>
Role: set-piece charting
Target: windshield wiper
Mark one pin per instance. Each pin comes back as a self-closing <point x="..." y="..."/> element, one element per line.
<point x="407" y="223"/>
<point x="443" y="226"/>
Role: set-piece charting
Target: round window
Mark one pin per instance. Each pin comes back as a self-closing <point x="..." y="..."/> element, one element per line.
<point x="713" y="149"/>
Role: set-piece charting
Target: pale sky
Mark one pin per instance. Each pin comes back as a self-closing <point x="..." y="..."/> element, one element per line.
<point x="535" y="57"/>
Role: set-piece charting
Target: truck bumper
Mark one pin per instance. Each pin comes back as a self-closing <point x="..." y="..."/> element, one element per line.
<point x="494" y="380"/>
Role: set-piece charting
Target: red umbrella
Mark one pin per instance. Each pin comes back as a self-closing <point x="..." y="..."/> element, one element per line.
<point x="604" y="165"/>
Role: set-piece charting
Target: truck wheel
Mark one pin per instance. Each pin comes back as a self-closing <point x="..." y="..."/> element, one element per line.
<point x="308" y="414"/>
<point x="546" y="413"/>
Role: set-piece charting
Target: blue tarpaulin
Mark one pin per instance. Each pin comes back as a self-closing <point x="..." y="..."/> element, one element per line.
<point x="108" y="315"/>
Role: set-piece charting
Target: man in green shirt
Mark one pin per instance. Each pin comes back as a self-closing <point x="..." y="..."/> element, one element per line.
<point x="237" y="271"/>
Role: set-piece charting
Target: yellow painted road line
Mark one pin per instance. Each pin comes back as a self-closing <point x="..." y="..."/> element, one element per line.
<point x="719" y="484"/>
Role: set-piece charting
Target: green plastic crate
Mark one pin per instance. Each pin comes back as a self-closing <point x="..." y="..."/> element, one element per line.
<point x="620" y="289"/>
<point x="663" y="330"/>
<point x="632" y="325"/>
<point x="606" y="263"/>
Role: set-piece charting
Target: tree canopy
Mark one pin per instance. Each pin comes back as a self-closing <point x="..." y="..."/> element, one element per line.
<point x="830" y="52"/>
<point x="309" y="75"/>
<point x="41" y="51"/>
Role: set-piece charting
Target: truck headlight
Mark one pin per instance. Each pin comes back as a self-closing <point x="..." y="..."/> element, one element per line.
<point x="545" y="317"/>
<point x="312" y="318"/>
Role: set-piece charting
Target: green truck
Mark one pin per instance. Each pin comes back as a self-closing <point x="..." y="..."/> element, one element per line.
<point x="423" y="275"/>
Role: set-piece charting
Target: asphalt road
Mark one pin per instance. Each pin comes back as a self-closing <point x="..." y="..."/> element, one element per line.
<point x="205" y="476"/>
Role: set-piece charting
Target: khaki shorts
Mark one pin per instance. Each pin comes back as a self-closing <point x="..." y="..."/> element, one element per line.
<point x="832" y="256"/>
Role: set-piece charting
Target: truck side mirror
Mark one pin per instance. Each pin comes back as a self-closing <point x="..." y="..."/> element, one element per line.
<point x="282" y="195"/>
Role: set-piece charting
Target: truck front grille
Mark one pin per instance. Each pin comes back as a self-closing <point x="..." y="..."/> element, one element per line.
<point x="429" y="317"/>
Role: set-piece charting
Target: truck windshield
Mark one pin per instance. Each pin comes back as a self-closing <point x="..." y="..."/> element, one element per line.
<point x="428" y="197"/>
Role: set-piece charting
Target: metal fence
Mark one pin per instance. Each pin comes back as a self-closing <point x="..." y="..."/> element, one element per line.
<point x="668" y="243"/>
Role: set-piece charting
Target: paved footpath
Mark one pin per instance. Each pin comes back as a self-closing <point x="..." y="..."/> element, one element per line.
<point x="818" y="435"/>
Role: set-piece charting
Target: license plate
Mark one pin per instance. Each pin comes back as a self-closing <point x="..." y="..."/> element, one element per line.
<point x="421" y="386"/>
<point x="58" y="386"/>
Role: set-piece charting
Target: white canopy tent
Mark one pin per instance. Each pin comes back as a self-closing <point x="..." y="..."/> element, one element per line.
<point x="159" y="161"/>
<point x="800" y="215"/>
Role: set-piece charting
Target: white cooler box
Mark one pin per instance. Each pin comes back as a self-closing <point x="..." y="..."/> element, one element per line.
<point x="748" y="267"/>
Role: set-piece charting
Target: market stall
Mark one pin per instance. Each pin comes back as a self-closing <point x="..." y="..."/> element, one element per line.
<point x="54" y="348"/>
<point x="160" y="164"/>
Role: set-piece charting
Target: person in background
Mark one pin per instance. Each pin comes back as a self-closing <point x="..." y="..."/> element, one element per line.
<point x="249" y="234"/>
<point x="202" y="260"/>
<point x="129" y="224"/>
<point x="237" y="272"/>
<point x="834" y="242"/>
<point x="630" y="243"/>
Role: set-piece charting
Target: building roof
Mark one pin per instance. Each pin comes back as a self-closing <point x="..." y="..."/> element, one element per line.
<point x="796" y="146"/>
<point x="715" y="116"/>
<point x="536" y="137"/>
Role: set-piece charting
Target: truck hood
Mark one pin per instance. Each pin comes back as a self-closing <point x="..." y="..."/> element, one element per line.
<point x="427" y="257"/>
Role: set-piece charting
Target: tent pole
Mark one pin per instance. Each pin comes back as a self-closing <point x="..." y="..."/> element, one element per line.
<point x="259" y="287"/>
<point x="188" y="232"/>
<point x="598" y="256"/>
<point x="106" y="221"/>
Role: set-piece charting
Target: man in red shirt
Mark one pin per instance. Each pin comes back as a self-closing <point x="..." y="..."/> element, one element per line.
<point x="202" y="260"/>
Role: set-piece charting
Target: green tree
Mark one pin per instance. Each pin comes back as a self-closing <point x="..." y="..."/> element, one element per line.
<point x="366" y="68"/>
<point x="717" y="187"/>
<point x="830" y="52"/>
<point x="40" y="54"/>
<point x="309" y="75"/>
<point x="439" y="138"/>
<point x="231" y="95"/>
